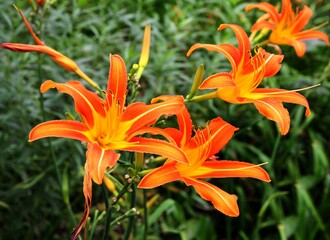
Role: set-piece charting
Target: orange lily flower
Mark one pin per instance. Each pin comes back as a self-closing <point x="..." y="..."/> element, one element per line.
<point x="59" y="58"/>
<point x="287" y="26"/>
<point x="240" y="85"/>
<point x="107" y="125"/>
<point x="200" y="151"/>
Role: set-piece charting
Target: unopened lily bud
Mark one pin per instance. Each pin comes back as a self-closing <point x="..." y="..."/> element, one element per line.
<point x="197" y="82"/>
<point x="145" y="50"/>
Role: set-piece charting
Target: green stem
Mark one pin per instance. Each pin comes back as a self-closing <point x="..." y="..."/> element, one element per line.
<point x="50" y="146"/>
<point x="204" y="97"/>
<point x="263" y="43"/>
<point x="109" y="207"/>
<point x="42" y="108"/>
<point x="131" y="218"/>
<point x="255" y="40"/>
<point x="129" y="213"/>
<point x="43" y="114"/>
<point x="72" y="218"/>
<point x="95" y="220"/>
<point x="108" y="216"/>
<point x="275" y="148"/>
<point x="145" y="209"/>
<point x="121" y="193"/>
<point x="108" y="222"/>
<point x="41" y="96"/>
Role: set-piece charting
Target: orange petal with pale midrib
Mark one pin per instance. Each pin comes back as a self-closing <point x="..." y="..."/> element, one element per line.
<point x="218" y="80"/>
<point x="87" y="103"/>
<point x="60" y="128"/>
<point x="98" y="160"/>
<point x="160" y="176"/>
<point x="232" y="55"/>
<point x="221" y="200"/>
<point x="266" y="7"/>
<point x="87" y="189"/>
<point x="274" y="110"/>
<point x="225" y="169"/>
<point x="285" y="96"/>
<point x="155" y="146"/>
<point x="242" y="39"/>
<point x="117" y="79"/>
<point x="139" y="114"/>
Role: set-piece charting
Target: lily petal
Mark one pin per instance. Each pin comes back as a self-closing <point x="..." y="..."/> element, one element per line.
<point x="261" y="25"/>
<point x="206" y="143"/>
<point x="185" y="126"/>
<point x="225" y="169"/>
<point x="155" y="146"/>
<point x="266" y="7"/>
<point x="285" y="12"/>
<point x="231" y="55"/>
<point x="220" y="134"/>
<point x="87" y="189"/>
<point x="159" y="131"/>
<point x="272" y="63"/>
<point x="60" y="128"/>
<point x="182" y="136"/>
<point x="253" y="71"/>
<point x="175" y="134"/>
<point x="218" y="80"/>
<point x="98" y="160"/>
<point x="160" y="176"/>
<point x="311" y="34"/>
<point x="221" y="200"/>
<point x="86" y="102"/>
<point x="274" y="110"/>
<point x="299" y="47"/>
<point x="166" y="98"/>
<point x="139" y="114"/>
<point x="285" y="96"/>
<point x="302" y="19"/>
<point x="242" y="39"/>
<point x="28" y="26"/>
<point x="117" y="80"/>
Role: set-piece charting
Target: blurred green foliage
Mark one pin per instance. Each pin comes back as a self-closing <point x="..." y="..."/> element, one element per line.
<point x="37" y="194"/>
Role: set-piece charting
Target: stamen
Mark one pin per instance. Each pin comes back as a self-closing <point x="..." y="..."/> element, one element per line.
<point x="255" y="165"/>
<point x="249" y="52"/>
<point x="256" y="50"/>
<point x="204" y="145"/>
<point x="258" y="63"/>
<point x="319" y="26"/>
<point x="295" y="90"/>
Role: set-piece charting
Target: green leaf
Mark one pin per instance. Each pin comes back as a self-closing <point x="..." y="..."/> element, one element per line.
<point x="290" y="224"/>
<point x="268" y="201"/>
<point x="65" y="187"/>
<point x="4" y="205"/>
<point x="310" y="205"/>
<point x="30" y="181"/>
<point x="164" y="206"/>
